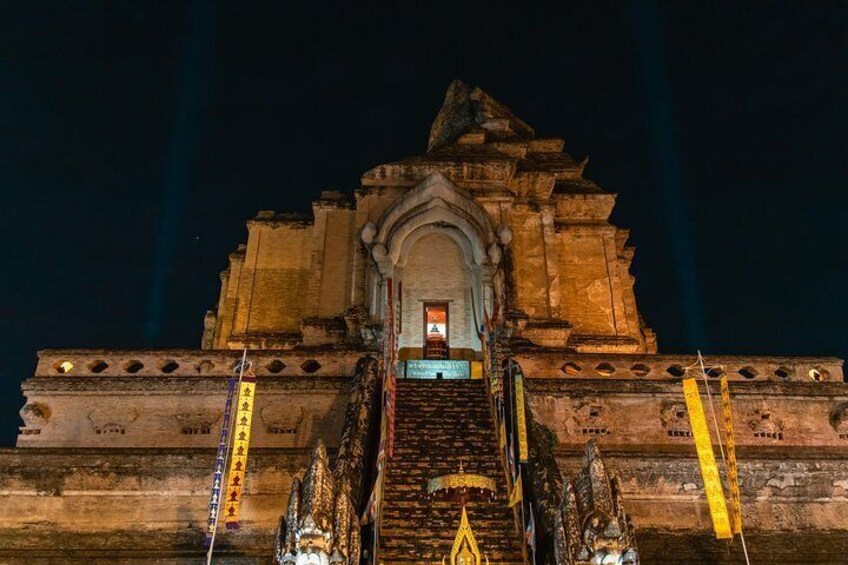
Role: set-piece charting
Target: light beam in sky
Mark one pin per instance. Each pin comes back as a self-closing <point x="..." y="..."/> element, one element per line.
<point x="192" y="84"/>
<point x="660" y="111"/>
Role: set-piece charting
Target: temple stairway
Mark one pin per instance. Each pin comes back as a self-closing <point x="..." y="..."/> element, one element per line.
<point x="439" y="422"/>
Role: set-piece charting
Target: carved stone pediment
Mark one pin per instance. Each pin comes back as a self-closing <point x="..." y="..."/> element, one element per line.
<point x="674" y="418"/>
<point x="282" y="419"/>
<point x="112" y="420"/>
<point x="189" y="418"/>
<point x="198" y="422"/>
<point x="35" y="414"/>
<point x="839" y="418"/>
<point x="765" y="424"/>
<point x="591" y="418"/>
<point x="434" y="205"/>
<point x="574" y="418"/>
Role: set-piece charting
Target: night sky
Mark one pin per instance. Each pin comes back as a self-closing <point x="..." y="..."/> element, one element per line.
<point x="137" y="139"/>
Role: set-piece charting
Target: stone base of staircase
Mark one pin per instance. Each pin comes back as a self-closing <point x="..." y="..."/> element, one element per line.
<point x="438" y="423"/>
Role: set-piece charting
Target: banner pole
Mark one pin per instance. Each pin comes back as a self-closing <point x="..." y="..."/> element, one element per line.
<point x="226" y="460"/>
<point x="712" y="408"/>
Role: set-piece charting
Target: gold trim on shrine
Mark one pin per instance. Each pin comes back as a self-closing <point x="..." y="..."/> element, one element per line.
<point x="461" y="480"/>
<point x="706" y="460"/>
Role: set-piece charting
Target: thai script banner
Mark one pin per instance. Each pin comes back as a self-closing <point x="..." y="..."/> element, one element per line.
<point x="706" y="459"/>
<point x="520" y="416"/>
<point x="732" y="467"/>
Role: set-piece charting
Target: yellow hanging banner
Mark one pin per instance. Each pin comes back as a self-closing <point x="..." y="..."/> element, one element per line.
<point x="241" y="443"/>
<point x="732" y="468"/>
<point x="706" y="459"/>
<point x="520" y="416"/>
<point x="517" y="494"/>
<point x="502" y="436"/>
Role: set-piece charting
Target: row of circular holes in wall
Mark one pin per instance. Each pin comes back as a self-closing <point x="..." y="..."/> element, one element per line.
<point x="169" y="366"/>
<point x="640" y="370"/>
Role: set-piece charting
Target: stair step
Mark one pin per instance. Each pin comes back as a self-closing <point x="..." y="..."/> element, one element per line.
<point x="437" y="423"/>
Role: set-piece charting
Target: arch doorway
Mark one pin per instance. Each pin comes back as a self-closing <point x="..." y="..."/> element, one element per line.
<point x="436" y="247"/>
<point x="436" y="336"/>
<point x="437" y="316"/>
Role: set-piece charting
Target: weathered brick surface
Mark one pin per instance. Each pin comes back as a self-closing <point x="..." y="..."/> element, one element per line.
<point x="781" y="491"/>
<point x="127" y="412"/>
<point x="438" y="424"/>
<point x="125" y="439"/>
<point x="127" y="506"/>
<point x="568" y="266"/>
<point x="776" y="415"/>
<point x="451" y="286"/>
<point x="764" y="547"/>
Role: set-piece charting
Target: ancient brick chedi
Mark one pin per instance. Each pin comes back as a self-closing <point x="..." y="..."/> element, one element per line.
<point x="462" y="323"/>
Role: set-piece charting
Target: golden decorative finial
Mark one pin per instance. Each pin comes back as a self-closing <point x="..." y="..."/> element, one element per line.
<point x="465" y="550"/>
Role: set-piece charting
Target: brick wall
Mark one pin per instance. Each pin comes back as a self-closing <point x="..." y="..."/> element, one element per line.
<point x="436" y="272"/>
<point x="142" y="505"/>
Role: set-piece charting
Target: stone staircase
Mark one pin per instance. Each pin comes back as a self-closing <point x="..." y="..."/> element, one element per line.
<point x="439" y="422"/>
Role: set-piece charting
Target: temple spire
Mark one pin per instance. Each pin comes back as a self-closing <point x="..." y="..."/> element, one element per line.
<point x="470" y="110"/>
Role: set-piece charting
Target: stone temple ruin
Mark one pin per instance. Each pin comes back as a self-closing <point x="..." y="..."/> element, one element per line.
<point x="468" y="308"/>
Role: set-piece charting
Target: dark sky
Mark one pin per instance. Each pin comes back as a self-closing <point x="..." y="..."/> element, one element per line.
<point x="137" y="138"/>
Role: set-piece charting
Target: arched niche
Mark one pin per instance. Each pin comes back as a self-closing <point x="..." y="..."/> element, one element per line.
<point x="435" y="206"/>
<point x="448" y="286"/>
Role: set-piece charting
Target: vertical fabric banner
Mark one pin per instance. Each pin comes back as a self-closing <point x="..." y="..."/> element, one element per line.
<point x="241" y="443"/>
<point x="491" y="353"/>
<point x="732" y="468"/>
<point x="530" y="533"/>
<point x="220" y="461"/>
<point x="706" y="460"/>
<point x="520" y="416"/>
<point x="517" y="494"/>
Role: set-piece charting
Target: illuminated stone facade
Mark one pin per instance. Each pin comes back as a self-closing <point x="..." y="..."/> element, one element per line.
<point x="115" y="455"/>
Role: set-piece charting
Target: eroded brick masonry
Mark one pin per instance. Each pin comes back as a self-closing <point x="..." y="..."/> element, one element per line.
<point x="114" y="460"/>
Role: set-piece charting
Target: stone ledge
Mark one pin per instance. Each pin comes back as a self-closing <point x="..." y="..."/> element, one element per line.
<point x="128" y="460"/>
<point x="171" y="385"/>
<point x="194" y="362"/>
<point x="674" y="452"/>
<point x="553" y="363"/>
<point x="599" y="385"/>
<point x="281" y="219"/>
<point x="21" y="545"/>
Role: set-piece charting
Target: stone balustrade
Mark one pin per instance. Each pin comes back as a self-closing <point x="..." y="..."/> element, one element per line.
<point x="193" y="363"/>
<point x="535" y="364"/>
<point x="563" y="365"/>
